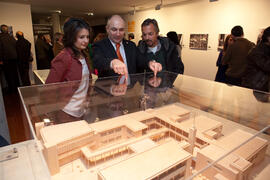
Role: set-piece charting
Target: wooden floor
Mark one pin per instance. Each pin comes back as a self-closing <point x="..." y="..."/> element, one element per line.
<point x="18" y="127"/>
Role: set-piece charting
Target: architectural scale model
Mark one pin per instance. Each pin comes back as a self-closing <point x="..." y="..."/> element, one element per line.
<point x="163" y="143"/>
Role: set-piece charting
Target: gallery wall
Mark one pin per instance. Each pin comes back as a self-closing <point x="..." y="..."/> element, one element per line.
<point x="203" y="17"/>
<point x="19" y="17"/>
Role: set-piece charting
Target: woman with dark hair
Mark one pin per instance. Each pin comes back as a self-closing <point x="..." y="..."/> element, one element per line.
<point x="221" y="76"/>
<point x="174" y="38"/>
<point x="71" y="63"/>
<point x="258" y="68"/>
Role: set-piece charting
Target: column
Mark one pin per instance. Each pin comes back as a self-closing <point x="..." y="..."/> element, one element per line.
<point x="56" y="22"/>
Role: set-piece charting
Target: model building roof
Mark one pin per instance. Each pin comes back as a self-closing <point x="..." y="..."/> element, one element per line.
<point x="202" y="124"/>
<point x="131" y="121"/>
<point x="171" y="110"/>
<point x="61" y="132"/>
<point x="148" y="163"/>
<point x="214" y="152"/>
<point x="142" y="145"/>
<point x="236" y="138"/>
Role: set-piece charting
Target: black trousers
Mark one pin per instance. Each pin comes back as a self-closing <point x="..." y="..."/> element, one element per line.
<point x="24" y="73"/>
<point x="11" y="75"/>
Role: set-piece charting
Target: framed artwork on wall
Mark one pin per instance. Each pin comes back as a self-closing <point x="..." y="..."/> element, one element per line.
<point x="198" y="41"/>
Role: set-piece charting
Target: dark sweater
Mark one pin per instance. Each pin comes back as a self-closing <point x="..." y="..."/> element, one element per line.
<point x="236" y="57"/>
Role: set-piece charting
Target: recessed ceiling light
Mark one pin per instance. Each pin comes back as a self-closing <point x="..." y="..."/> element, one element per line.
<point x="90" y="14"/>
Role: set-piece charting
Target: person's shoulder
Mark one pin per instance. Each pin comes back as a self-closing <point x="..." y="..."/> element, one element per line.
<point x="142" y="47"/>
<point x="167" y="43"/>
<point x="101" y="42"/>
<point x="246" y="41"/>
<point x="129" y="43"/>
<point x="24" y="41"/>
<point x="66" y="53"/>
<point x="28" y="42"/>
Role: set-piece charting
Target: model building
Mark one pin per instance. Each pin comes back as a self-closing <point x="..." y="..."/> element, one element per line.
<point x="163" y="143"/>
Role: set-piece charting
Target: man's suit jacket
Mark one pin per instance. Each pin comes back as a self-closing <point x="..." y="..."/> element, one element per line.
<point x="104" y="53"/>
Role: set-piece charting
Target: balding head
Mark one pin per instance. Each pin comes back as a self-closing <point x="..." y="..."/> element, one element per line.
<point x="113" y="19"/>
<point x="116" y="28"/>
<point x="19" y="34"/>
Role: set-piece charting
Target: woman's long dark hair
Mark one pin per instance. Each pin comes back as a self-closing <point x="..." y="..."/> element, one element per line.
<point x="71" y="28"/>
<point x="173" y="37"/>
<point x="226" y="43"/>
<point x="266" y="34"/>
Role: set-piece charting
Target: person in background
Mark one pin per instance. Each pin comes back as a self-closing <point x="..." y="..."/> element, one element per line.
<point x="23" y="48"/>
<point x="130" y="36"/>
<point x="259" y="38"/>
<point x="257" y="73"/>
<point x="58" y="45"/>
<point x="49" y="42"/>
<point x="221" y="76"/>
<point x="42" y="53"/>
<point x="98" y="37"/>
<point x="71" y="63"/>
<point x="159" y="49"/>
<point x="8" y="57"/>
<point x="174" y="38"/>
<point x="236" y="57"/>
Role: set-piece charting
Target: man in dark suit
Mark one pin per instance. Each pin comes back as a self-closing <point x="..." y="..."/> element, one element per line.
<point x="23" y="47"/>
<point x="8" y="56"/>
<point x="114" y="55"/>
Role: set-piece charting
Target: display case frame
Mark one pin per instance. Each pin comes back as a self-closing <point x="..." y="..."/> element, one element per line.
<point x="230" y="112"/>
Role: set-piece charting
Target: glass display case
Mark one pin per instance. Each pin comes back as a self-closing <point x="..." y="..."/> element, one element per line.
<point x="166" y="127"/>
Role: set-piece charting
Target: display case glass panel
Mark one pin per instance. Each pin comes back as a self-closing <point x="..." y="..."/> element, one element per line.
<point x="145" y="127"/>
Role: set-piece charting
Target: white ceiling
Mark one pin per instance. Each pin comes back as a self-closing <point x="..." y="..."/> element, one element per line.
<point x="101" y="8"/>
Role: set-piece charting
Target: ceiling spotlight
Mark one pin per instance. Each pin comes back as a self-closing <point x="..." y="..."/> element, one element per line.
<point x="132" y="12"/>
<point x="90" y="14"/>
<point x="158" y="7"/>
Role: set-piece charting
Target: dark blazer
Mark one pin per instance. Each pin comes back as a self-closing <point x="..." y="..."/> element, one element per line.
<point x="257" y="74"/>
<point x="66" y="67"/>
<point x="104" y="53"/>
<point x="7" y="47"/>
<point x="23" y="48"/>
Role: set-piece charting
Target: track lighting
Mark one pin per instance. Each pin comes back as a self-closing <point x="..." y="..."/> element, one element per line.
<point x="158" y="7"/>
<point x="132" y="12"/>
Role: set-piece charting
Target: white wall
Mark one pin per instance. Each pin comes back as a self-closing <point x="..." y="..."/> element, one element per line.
<point x="201" y="16"/>
<point x="19" y="17"/>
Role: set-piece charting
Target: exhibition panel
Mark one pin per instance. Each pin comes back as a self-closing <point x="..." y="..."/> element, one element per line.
<point x="168" y="126"/>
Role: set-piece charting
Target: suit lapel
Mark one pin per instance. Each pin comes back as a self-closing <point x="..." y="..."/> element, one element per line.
<point x="127" y="51"/>
<point x="109" y="46"/>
